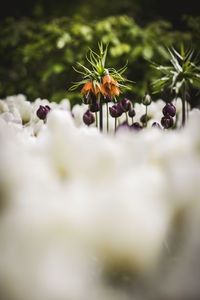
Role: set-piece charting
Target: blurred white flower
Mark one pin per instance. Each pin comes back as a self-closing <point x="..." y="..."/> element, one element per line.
<point x="84" y="214"/>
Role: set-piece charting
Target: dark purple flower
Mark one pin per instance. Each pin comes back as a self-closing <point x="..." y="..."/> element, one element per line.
<point x="131" y="112"/>
<point x="146" y="100"/>
<point x="107" y="99"/>
<point x="115" y="112"/>
<point x="144" y="118"/>
<point x="156" y="125"/>
<point x="167" y="121"/>
<point x="88" y="117"/>
<point x="43" y="111"/>
<point x="94" y="107"/>
<point x="169" y="109"/>
<point x="136" y="126"/>
<point x="89" y="98"/>
<point x="124" y="105"/>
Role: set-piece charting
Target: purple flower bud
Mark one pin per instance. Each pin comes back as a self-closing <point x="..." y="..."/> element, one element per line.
<point x="167" y="121"/>
<point x="136" y="126"/>
<point x="107" y="99"/>
<point x="146" y="100"/>
<point x="48" y="108"/>
<point x="169" y="109"/>
<point x="156" y="125"/>
<point x="124" y="105"/>
<point x="43" y="111"/>
<point x="89" y="98"/>
<point x="115" y="112"/>
<point x="131" y="112"/>
<point x="94" y="107"/>
<point x="88" y="117"/>
<point x="144" y="118"/>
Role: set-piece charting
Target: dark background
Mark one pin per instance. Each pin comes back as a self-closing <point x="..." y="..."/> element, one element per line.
<point x="143" y="11"/>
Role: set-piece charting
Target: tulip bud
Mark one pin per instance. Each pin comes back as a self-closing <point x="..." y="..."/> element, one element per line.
<point x="167" y="121"/>
<point x="146" y="100"/>
<point x="156" y="125"/>
<point x="124" y="105"/>
<point x="131" y="112"/>
<point x="136" y="126"/>
<point x="94" y="107"/>
<point x="89" y="98"/>
<point x="88" y="117"/>
<point x="114" y="111"/>
<point x="144" y="118"/>
<point x="169" y="109"/>
<point x="107" y="99"/>
<point x="43" y="111"/>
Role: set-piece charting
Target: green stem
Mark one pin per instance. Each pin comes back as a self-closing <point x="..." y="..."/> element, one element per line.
<point x="187" y="110"/>
<point x="107" y="110"/>
<point x="100" y="113"/>
<point x="96" y="118"/>
<point x="146" y="117"/>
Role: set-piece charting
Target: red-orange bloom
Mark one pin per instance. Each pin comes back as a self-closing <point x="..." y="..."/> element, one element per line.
<point x="87" y="88"/>
<point x="99" y="90"/>
<point x="109" y="87"/>
<point x="109" y="81"/>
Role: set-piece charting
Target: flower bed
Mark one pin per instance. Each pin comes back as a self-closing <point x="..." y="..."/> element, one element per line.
<point x="95" y="215"/>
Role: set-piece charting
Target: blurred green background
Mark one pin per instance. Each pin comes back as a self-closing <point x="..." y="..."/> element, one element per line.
<point x="41" y="40"/>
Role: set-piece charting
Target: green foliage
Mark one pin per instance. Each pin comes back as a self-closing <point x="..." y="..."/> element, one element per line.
<point x="38" y="57"/>
<point x="183" y="71"/>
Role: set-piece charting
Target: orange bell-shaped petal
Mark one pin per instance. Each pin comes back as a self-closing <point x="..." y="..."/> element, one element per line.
<point x="100" y="90"/>
<point x="115" y="90"/>
<point x="109" y="80"/>
<point x="88" y="87"/>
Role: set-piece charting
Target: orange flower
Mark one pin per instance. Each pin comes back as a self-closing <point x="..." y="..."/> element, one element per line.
<point x="99" y="90"/>
<point x="109" y="87"/>
<point x="109" y="81"/>
<point x="87" y="88"/>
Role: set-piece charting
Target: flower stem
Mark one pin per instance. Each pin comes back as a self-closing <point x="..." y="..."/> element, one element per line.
<point x="107" y="117"/>
<point x="96" y="117"/>
<point x="146" y="117"/>
<point x="100" y="113"/>
<point x="115" y="124"/>
<point x="187" y="110"/>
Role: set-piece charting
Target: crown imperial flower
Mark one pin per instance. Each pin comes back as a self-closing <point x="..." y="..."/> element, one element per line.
<point x="102" y="83"/>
